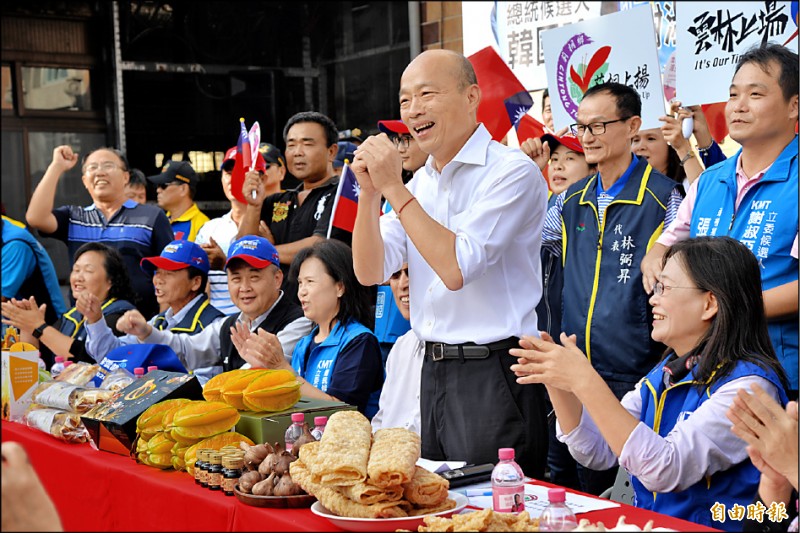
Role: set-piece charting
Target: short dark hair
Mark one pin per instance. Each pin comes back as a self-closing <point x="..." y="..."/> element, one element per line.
<point x="115" y="268"/>
<point x="738" y="332"/>
<point x="116" y="152"/>
<point x="764" y="56"/>
<point x="355" y="303"/>
<point x="137" y="178"/>
<point x="193" y="272"/>
<point x="545" y="94"/>
<point x="328" y="125"/>
<point x="629" y="104"/>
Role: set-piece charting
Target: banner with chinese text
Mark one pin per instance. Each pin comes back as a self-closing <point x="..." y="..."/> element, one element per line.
<point x="578" y="56"/>
<point x="712" y="36"/>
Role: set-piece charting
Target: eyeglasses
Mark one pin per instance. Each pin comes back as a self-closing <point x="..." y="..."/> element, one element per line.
<point x="596" y="128"/>
<point x="399" y="273"/>
<point x="659" y="288"/>
<point x="107" y="166"/>
<point x="402" y="140"/>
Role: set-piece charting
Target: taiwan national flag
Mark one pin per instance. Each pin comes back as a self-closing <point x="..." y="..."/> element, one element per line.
<point x="345" y="203"/>
<point x="504" y="100"/>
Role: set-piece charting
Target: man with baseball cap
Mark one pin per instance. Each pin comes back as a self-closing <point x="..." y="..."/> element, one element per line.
<point x="254" y="281"/>
<point x="217" y="234"/>
<point x="180" y="275"/>
<point x="175" y="189"/>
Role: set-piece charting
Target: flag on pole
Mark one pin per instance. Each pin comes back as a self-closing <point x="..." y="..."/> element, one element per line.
<point x="345" y="202"/>
<point x="528" y="127"/>
<point x="254" y="137"/>
<point x="244" y="146"/>
<point x="504" y="100"/>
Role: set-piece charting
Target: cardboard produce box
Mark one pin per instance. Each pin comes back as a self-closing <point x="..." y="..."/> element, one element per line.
<point x="112" y="425"/>
<point x="20" y="377"/>
<point x="271" y="427"/>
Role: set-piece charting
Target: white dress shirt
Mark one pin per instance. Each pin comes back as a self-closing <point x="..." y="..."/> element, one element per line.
<point x="399" y="402"/>
<point x="494" y="199"/>
<point x="223" y="230"/>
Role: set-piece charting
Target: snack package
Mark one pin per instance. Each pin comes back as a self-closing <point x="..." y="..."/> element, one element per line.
<point x="78" y="374"/>
<point x="60" y="424"/>
<point x="117" y="380"/>
<point x="69" y="397"/>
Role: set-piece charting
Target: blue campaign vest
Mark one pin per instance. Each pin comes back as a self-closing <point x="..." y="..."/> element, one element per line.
<point x="322" y="359"/>
<point x="604" y="302"/>
<point x="389" y="323"/>
<point x="72" y="322"/>
<point x="50" y="293"/>
<point x="766" y="222"/>
<point x="662" y="407"/>
<point x="194" y="321"/>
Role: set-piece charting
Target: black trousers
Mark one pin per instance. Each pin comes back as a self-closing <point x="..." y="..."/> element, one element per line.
<point x="472" y="408"/>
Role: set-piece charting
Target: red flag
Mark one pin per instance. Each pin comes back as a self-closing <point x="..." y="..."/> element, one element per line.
<point x="345" y="203"/>
<point x="504" y="100"/>
<point x="529" y="127"/>
<point x="715" y="116"/>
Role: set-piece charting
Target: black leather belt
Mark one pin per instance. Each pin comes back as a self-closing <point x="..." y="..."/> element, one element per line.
<point x="469" y="350"/>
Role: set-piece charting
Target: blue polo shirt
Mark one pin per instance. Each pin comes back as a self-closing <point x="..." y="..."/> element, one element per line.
<point x="135" y="230"/>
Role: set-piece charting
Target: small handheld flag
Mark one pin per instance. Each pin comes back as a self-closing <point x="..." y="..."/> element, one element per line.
<point x="345" y="202"/>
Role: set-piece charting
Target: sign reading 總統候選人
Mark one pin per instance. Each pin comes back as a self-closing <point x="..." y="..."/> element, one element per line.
<point x="581" y="55"/>
<point x="712" y="36"/>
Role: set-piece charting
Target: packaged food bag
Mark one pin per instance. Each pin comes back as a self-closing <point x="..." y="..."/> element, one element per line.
<point x="20" y="376"/>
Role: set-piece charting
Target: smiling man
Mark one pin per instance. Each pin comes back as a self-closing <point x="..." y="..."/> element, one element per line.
<point x="752" y="196"/>
<point x="468" y="225"/>
<point x="136" y="230"/>
<point x="609" y="219"/>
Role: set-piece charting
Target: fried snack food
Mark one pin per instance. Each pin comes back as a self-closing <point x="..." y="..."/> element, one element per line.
<point x="393" y="457"/>
<point x="586" y="525"/>
<point x="78" y="374"/>
<point x="338" y="503"/>
<point x="60" y="424"/>
<point x="484" y="520"/>
<point x="344" y="450"/>
<point x="426" y="489"/>
<point x="69" y="397"/>
<point x="447" y="504"/>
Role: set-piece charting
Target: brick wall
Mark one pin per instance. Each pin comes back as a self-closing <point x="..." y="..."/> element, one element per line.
<point x="441" y="25"/>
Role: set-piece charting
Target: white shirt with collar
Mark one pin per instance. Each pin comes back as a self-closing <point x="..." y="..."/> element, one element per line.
<point x="399" y="402"/>
<point x="494" y="198"/>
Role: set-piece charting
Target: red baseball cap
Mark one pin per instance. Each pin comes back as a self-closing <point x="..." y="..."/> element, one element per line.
<point x="393" y="126"/>
<point x="230" y="155"/>
<point x="568" y="140"/>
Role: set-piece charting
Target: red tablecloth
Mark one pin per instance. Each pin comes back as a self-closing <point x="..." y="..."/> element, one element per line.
<point x="100" y="491"/>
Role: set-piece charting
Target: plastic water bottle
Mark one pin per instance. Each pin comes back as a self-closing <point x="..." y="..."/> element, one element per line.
<point x="295" y="430"/>
<point x="557" y="516"/>
<point x="319" y="426"/>
<point x="138" y="372"/>
<point x="58" y="367"/>
<point x="508" y="484"/>
<point x="42" y="365"/>
<point x="151" y="368"/>
<point x="68" y="362"/>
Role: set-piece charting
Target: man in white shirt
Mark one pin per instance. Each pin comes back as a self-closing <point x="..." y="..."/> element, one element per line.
<point x="469" y="226"/>
<point x="399" y="402"/>
<point x="254" y="280"/>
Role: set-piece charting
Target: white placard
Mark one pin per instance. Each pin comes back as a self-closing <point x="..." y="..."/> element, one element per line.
<point x="619" y="47"/>
<point x="712" y="36"/>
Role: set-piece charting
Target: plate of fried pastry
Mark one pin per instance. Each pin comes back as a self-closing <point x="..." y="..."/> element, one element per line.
<point x="366" y="482"/>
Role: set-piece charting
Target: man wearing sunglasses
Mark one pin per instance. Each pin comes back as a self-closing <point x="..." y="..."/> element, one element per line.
<point x="609" y="220"/>
<point x="176" y="187"/>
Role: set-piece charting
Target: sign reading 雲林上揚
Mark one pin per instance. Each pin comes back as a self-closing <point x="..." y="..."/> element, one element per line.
<point x="712" y="36"/>
<point x="619" y="47"/>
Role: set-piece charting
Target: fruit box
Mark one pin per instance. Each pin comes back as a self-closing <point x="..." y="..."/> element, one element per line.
<point x="271" y="427"/>
<point x="112" y="425"/>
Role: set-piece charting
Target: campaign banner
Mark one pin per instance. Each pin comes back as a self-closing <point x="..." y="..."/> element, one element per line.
<point x="712" y="36"/>
<point x="581" y="55"/>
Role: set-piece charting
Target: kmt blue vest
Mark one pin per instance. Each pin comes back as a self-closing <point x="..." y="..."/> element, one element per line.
<point x="604" y="302"/>
<point x="662" y="407"/>
<point x="766" y="222"/>
<point x="194" y="321"/>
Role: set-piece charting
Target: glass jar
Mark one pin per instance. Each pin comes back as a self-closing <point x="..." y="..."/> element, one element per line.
<point x="200" y="468"/>
<point x="215" y="471"/>
<point x="231" y="472"/>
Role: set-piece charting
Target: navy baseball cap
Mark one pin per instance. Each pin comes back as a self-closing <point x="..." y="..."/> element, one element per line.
<point x="180" y="171"/>
<point x="176" y="256"/>
<point x="256" y="251"/>
<point x="346" y="151"/>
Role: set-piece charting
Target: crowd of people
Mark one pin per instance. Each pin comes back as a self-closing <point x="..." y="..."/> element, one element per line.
<point x="602" y="297"/>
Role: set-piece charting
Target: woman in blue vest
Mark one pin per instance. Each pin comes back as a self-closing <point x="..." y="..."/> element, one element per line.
<point x="97" y="269"/>
<point x="340" y="359"/>
<point x="670" y="433"/>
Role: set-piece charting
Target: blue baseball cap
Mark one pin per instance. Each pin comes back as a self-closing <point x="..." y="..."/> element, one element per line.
<point x="346" y="151"/>
<point x="176" y="256"/>
<point x="256" y="251"/>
